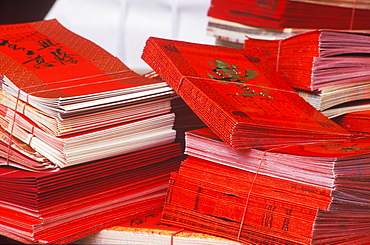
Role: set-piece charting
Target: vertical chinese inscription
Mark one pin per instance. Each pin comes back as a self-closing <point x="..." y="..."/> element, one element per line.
<point x="268" y="215"/>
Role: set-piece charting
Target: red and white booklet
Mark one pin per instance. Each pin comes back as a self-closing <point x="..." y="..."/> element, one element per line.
<point x="294" y="14"/>
<point x="238" y="94"/>
<point x="315" y="163"/>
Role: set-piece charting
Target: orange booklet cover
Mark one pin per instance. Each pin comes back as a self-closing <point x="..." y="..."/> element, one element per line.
<point x="238" y="94"/>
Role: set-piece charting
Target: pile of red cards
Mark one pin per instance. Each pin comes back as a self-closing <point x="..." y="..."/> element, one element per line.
<point x="305" y="194"/>
<point x="238" y="95"/>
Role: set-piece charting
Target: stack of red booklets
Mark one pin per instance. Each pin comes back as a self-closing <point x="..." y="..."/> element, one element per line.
<point x="231" y="21"/>
<point x="65" y="100"/>
<point x="329" y="67"/>
<point x="85" y="142"/>
<point x="303" y="194"/>
<point x="60" y="207"/>
<point x="238" y="95"/>
<point x="305" y="14"/>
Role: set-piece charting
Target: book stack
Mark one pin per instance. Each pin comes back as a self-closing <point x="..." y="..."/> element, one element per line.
<point x="61" y="93"/>
<point x="62" y="206"/>
<point x="329" y="68"/>
<point x="231" y="21"/>
<point x="249" y="176"/>
<point x="185" y="118"/>
<point x="238" y="95"/>
<point x="85" y="141"/>
<point x="303" y="194"/>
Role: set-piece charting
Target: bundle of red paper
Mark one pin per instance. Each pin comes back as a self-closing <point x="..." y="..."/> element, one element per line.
<point x="330" y="67"/>
<point x="60" y="207"/>
<point x="71" y="101"/>
<point x="147" y="228"/>
<point x="238" y="95"/>
<point x="304" y="194"/>
<point x="85" y="141"/>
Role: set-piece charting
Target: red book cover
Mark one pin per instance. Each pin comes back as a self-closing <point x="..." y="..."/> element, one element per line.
<point x="267" y="207"/>
<point x="47" y="60"/>
<point x="259" y="205"/>
<point x="238" y="95"/>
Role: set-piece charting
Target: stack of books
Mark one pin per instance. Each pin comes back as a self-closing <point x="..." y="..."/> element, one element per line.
<point x="303" y="194"/>
<point x="89" y="145"/>
<point x="270" y="168"/>
<point x="85" y="141"/>
<point x="231" y="21"/>
<point x="63" y="206"/>
<point x="61" y="94"/>
<point x="330" y="69"/>
<point x="326" y="43"/>
<point x="238" y="95"/>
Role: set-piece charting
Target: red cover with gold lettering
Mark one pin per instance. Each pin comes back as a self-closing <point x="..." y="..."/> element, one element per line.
<point x="238" y="95"/>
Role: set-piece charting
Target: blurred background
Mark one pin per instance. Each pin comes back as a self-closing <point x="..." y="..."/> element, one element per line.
<point x="122" y="26"/>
